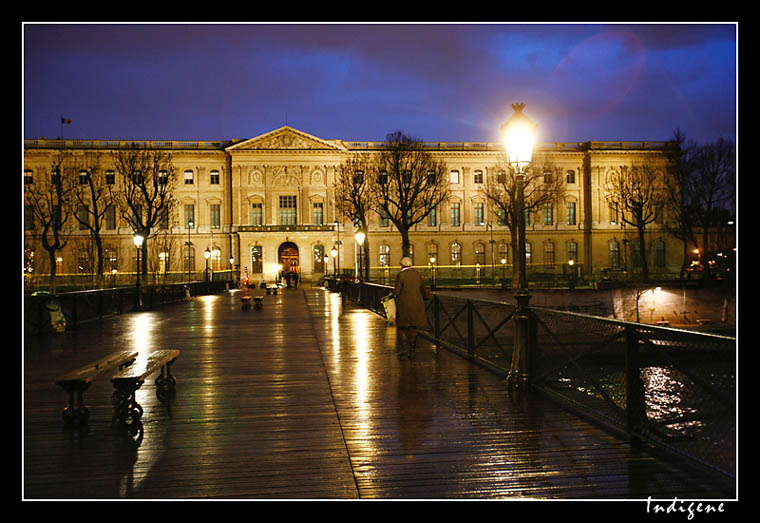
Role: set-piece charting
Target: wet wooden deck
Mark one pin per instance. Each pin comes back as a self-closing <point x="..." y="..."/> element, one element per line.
<point x="308" y="399"/>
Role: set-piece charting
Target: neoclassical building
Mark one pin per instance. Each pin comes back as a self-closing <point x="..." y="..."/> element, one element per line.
<point x="269" y="200"/>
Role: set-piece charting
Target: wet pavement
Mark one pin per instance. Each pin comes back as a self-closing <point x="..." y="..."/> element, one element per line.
<point x="309" y="399"/>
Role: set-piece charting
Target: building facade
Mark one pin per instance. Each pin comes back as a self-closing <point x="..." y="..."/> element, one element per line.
<point x="266" y="202"/>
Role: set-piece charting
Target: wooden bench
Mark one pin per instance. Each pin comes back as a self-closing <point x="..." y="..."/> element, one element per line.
<point x="257" y="302"/>
<point x="77" y="381"/>
<point x="126" y="383"/>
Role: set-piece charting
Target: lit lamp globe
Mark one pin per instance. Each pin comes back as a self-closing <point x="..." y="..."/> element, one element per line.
<point x="138" y="239"/>
<point x="359" y="237"/>
<point x="519" y="135"/>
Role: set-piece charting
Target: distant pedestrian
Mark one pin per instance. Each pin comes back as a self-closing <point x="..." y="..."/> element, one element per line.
<point x="410" y="291"/>
<point x="294" y="276"/>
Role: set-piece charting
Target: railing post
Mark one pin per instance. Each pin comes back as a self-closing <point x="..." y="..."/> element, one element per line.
<point x="436" y="318"/>
<point x="470" y="328"/>
<point x="635" y="403"/>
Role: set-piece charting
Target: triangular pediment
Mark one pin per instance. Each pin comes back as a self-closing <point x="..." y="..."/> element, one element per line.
<point x="287" y="138"/>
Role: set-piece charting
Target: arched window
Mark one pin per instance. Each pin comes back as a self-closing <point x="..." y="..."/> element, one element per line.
<point x="456" y="254"/>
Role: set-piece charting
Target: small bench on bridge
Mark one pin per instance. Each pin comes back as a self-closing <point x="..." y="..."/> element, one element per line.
<point x="126" y="383"/>
<point x="77" y="381"/>
<point x="257" y="302"/>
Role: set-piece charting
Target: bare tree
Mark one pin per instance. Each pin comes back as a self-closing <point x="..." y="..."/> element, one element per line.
<point x="636" y="191"/>
<point x="680" y="191"/>
<point x="715" y="182"/>
<point x="145" y="194"/>
<point x="409" y="183"/>
<point x="543" y="186"/>
<point x="49" y="206"/>
<point x="353" y="198"/>
<point x="93" y="196"/>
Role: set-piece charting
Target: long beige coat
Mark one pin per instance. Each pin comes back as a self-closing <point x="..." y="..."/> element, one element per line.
<point x="410" y="307"/>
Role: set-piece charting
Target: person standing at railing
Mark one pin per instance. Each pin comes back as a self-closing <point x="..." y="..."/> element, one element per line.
<point x="409" y="292"/>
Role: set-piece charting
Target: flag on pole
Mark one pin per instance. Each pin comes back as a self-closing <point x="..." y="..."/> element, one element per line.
<point x="65" y="120"/>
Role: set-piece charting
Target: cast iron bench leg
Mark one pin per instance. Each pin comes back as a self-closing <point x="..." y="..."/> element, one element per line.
<point x="126" y="409"/>
<point x="76" y="409"/>
<point x="165" y="383"/>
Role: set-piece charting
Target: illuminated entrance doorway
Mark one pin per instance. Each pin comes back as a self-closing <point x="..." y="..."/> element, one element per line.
<point x="287" y="256"/>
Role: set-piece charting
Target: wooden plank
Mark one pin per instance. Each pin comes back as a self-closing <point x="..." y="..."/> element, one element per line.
<point x="144" y="367"/>
<point x="92" y="370"/>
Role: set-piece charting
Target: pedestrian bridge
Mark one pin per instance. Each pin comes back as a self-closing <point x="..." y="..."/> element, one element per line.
<point x="307" y="398"/>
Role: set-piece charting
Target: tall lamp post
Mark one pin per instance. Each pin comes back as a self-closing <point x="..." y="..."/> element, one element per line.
<point x="138" y="239"/>
<point x="189" y="227"/>
<point x="519" y="135"/>
<point x="337" y="228"/>
<point x="359" y="237"/>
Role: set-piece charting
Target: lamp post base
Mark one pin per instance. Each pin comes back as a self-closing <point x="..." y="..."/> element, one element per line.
<point x="518" y="371"/>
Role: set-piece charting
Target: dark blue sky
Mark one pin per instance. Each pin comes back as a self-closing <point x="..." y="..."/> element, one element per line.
<point x="436" y="82"/>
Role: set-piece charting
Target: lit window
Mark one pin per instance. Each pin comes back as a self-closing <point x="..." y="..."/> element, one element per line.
<point x="288" y="210"/>
<point x="257" y="214"/>
<point x="189" y="177"/>
<point x="455" y="214"/>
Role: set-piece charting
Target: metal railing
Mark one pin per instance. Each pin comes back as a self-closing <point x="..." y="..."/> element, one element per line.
<point x="84" y="306"/>
<point x="672" y="388"/>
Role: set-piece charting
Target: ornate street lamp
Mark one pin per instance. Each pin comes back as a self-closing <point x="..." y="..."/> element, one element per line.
<point x="207" y="255"/>
<point x="359" y="237"/>
<point x="138" y="239"/>
<point x="519" y="135"/>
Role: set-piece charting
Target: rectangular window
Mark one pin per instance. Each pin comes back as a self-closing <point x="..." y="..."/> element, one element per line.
<point x="384" y="221"/>
<point x="83" y="217"/>
<point x="382" y="178"/>
<point x="215" y="209"/>
<point x="501" y="217"/>
<point x="28" y="177"/>
<point x="84" y="177"/>
<point x="189" y="216"/>
<point x="288" y="213"/>
<point x="319" y="258"/>
<point x="479" y="214"/>
<point x="614" y="255"/>
<point x="432" y="219"/>
<point x="318" y="213"/>
<point x="385" y="255"/>
<point x="477" y="177"/>
<point x="163" y="219"/>
<point x="548" y="214"/>
<point x="110" y="178"/>
<point x="257" y="259"/>
<point x="163" y="177"/>
<point x="257" y="214"/>
<point x="454" y="177"/>
<point x="188" y="177"/>
<point x="111" y="217"/>
<point x="455" y="214"/>
<point x="28" y="218"/>
<point x="660" y="253"/>
<point x="214" y="177"/>
<point x="571" y="213"/>
<point x="570" y="177"/>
